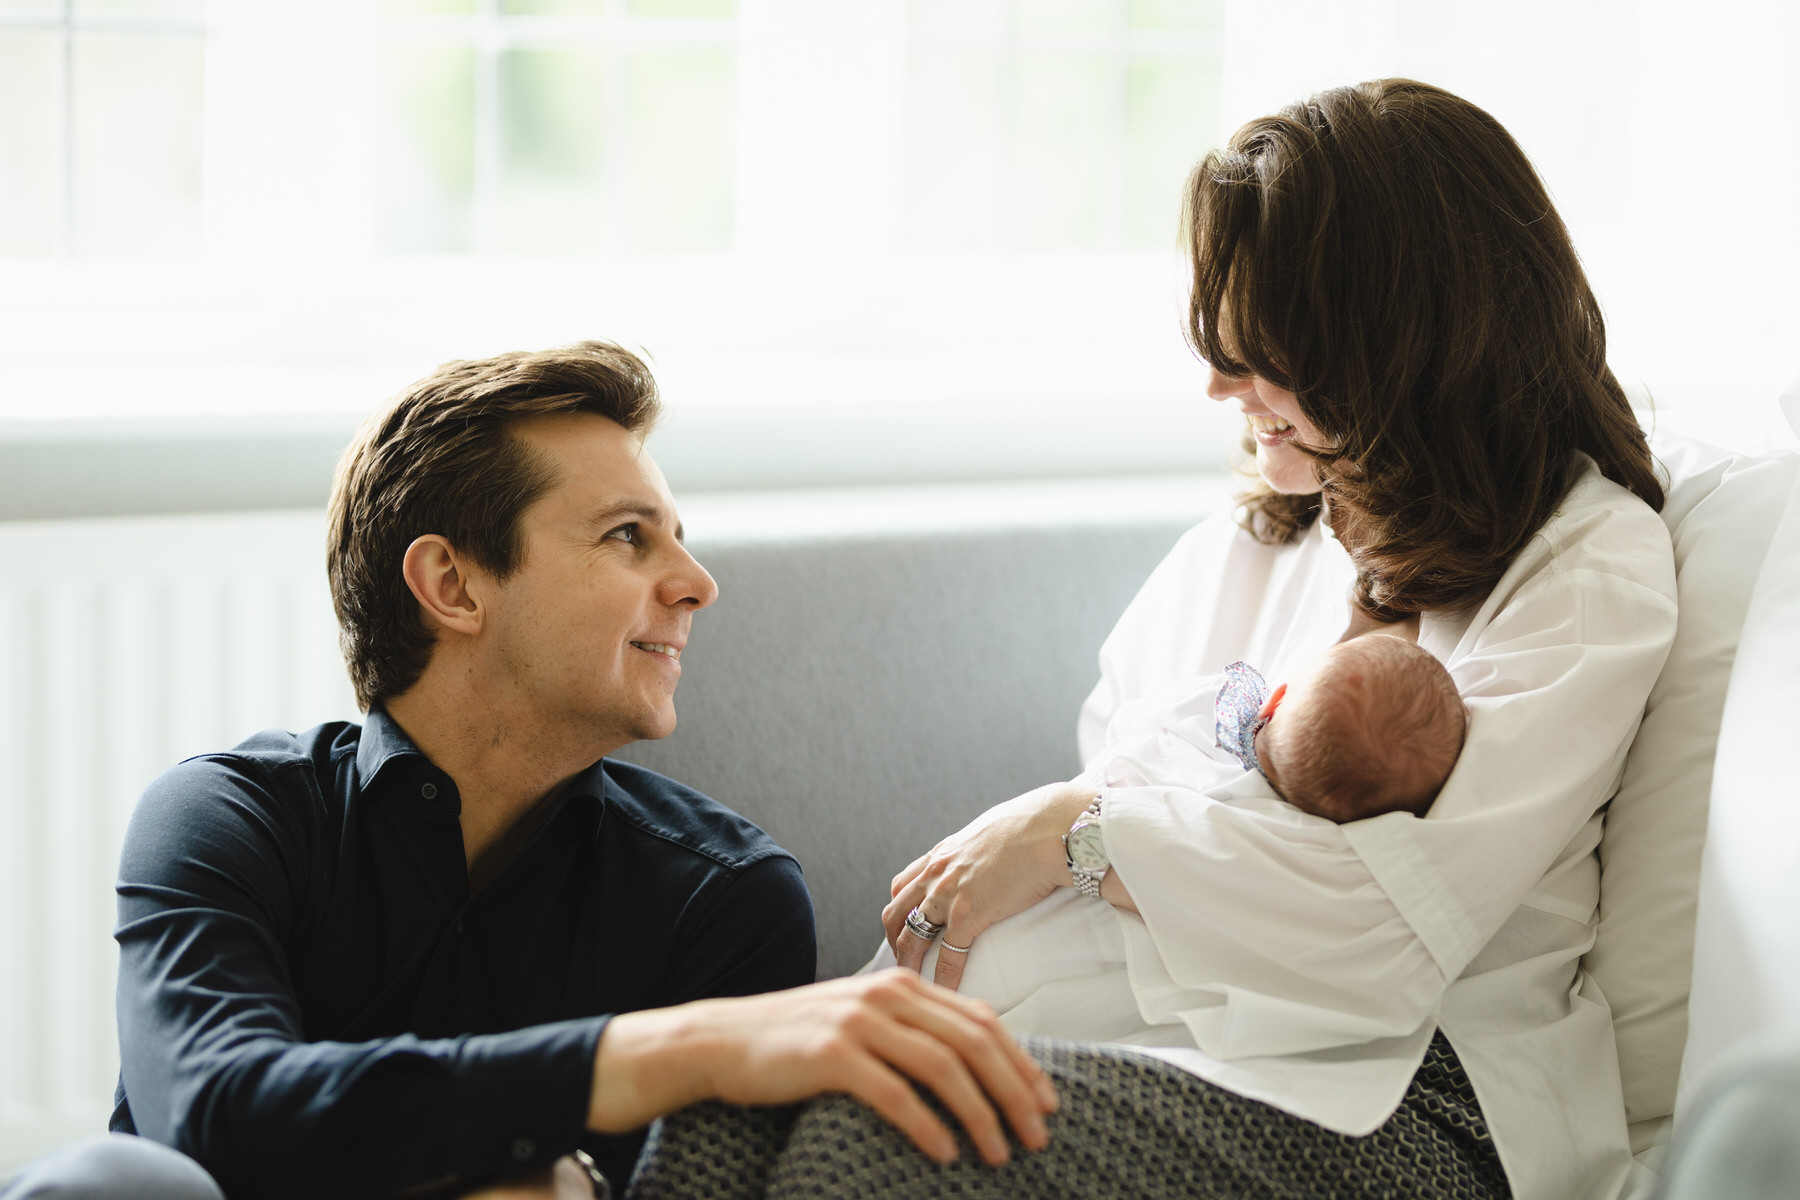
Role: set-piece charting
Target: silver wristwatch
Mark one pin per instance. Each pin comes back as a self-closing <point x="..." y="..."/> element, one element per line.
<point x="1086" y="851"/>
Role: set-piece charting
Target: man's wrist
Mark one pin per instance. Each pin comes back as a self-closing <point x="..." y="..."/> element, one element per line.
<point x="648" y="1064"/>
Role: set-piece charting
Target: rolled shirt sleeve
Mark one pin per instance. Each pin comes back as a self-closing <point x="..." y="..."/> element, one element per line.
<point x="213" y="1049"/>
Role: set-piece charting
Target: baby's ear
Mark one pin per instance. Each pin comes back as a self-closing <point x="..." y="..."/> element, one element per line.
<point x="1273" y="702"/>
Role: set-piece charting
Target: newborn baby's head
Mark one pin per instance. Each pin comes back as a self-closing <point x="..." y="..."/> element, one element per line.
<point x="1373" y="726"/>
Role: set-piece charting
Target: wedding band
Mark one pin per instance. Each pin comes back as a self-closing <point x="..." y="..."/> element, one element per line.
<point x="922" y="925"/>
<point x="954" y="949"/>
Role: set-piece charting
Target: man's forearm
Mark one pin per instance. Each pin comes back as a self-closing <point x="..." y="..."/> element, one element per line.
<point x="870" y="1036"/>
<point x="648" y="1064"/>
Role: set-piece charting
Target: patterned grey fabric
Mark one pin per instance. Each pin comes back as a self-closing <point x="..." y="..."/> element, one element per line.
<point x="1129" y="1126"/>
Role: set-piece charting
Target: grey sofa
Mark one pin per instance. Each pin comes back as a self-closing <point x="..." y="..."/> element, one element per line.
<point x="860" y="697"/>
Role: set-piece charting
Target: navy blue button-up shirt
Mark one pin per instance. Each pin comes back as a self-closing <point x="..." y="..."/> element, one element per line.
<point x="311" y="1003"/>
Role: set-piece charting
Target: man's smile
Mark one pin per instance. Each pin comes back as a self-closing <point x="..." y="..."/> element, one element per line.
<point x="660" y="648"/>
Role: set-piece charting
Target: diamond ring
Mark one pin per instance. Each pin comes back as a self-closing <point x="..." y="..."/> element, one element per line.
<point x="922" y="925"/>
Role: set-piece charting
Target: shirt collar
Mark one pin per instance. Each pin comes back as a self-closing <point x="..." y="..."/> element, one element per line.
<point x="383" y="744"/>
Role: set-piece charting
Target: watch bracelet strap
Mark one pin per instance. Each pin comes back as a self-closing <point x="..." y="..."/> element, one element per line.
<point x="1087" y="882"/>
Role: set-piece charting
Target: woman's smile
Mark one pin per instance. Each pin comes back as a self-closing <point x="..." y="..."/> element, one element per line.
<point x="1276" y="421"/>
<point x="1269" y="430"/>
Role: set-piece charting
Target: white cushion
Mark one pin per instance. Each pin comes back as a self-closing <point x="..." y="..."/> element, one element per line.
<point x="1747" y="944"/>
<point x="1722" y="510"/>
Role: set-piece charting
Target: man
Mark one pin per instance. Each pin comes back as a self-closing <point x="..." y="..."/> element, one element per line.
<point x="384" y="960"/>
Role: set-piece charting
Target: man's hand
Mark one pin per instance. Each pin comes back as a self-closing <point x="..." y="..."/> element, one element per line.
<point x="999" y="864"/>
<point x="867" y="1035"/>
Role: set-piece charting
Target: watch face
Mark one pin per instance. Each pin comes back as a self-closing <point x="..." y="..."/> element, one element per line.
<point x="1085" y="847"/>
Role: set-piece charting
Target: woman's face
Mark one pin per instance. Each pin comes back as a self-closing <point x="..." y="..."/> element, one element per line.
<point x="1276" y="422"/>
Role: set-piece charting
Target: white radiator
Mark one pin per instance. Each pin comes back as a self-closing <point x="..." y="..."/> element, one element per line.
<point x="125" y="646"/>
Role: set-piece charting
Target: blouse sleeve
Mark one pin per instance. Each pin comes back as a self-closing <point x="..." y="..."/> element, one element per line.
<point x="1283" y="933"/>
<point x="1180" y="615"/>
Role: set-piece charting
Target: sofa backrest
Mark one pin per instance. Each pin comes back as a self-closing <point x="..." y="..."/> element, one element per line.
<point x="1746" y="982"/>
<point x="860" y="697"/>
<point x="1722" y="510"/>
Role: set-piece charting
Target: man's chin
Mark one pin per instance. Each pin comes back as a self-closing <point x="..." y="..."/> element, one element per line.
<point x="654" y="726"/>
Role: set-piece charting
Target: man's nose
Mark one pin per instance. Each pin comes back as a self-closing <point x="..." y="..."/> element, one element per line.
<point x="689" y="582"/>
<point x="1224" y="387"/>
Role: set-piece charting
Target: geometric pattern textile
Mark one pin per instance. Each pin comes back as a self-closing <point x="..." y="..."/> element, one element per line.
<point x="1129" y="1126"/>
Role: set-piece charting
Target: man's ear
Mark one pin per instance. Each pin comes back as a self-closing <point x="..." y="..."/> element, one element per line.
<point x="439" y="580"/>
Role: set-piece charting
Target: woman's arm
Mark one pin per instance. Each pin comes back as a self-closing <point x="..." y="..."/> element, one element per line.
<point x="1282" y="933"/>
<point x="1279" y="934"/>
<point x="1003" y="862"/>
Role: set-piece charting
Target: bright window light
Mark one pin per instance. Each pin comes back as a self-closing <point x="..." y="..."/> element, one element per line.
<point x="943" y="225"/>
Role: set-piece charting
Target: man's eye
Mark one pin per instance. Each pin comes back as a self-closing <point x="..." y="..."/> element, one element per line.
<point x="624" y="533"/>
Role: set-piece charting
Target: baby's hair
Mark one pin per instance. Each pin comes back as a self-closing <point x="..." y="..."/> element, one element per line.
<point x="1380" y="733"/>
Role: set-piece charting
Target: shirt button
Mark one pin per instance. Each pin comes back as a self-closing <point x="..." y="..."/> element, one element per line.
<point x="524" y="1149"/>
<point x="429" y="791"/>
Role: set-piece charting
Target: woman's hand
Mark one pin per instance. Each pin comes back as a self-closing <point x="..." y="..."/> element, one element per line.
<point x="1001" y="863"/>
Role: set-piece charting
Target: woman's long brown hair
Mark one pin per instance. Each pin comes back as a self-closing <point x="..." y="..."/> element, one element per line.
<point x="1387" y="253"/>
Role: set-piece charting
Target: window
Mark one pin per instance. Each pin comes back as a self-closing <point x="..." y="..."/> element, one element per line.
<point x="871" y="239"/>
<point x="1056" y="124"/>
<point x="100" y="127"/>
<point x="557" y="126"/>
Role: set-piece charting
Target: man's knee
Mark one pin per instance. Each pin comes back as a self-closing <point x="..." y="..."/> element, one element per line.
<point x="113" y="1166"/>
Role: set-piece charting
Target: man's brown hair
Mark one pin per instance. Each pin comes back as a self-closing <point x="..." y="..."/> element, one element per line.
<point x="1386" y="253"/>
<point x="443" y="459"/>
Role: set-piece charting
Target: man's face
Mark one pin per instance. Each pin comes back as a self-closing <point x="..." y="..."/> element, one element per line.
<point x="587" y="633"/>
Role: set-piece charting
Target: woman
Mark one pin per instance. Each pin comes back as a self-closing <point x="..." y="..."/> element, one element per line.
<point x="1389" y="1006"/>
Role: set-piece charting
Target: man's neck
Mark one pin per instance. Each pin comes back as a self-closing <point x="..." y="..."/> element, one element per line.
<point x="508" y="765"/>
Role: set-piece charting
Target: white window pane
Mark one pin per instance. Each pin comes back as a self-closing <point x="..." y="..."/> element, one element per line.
<point x="180" y="10"/>
<point x="955" y="150"/>
<point x="680" y="150"/>
<point x="550" y="190"/>
<point x="30" y="126"/>
<point x="554" y="8"/>
<point x="427" y="141"/>
<point x="1065" y="16"/>
<point x="1172" y="118"/>
<point x="1197" y="16"/>
<point x="1060" y="167"/>
<point x="30" y="8"/>
<point x="682" y="8"/>
<point x="960" y="18"/>
<point x="136" y="143"/>
<point x="407" y="8"/>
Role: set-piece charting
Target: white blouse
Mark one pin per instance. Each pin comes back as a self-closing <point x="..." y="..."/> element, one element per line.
<point x="1307" y="964"/>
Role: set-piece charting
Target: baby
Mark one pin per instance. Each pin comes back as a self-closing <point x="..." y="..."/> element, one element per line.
<point x="1371" y="726"/>
<point x="1374" y="725"/>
